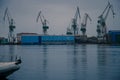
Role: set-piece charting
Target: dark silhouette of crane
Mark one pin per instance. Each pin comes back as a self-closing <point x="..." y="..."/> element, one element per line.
<point x="101" y="26"/>
<point x="84" y="23"/>
<point x="43" y="21"/>
<point x="74" y="21"/>
<point x="11" y="37"/>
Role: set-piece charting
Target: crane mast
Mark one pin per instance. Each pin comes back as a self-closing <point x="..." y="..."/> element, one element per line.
<point x="101" y="26"/>
<point x="43" y="21"/>
<point x="84" y="23"/>
<point x="11" y="37"/>
<point x="74" y="22"/>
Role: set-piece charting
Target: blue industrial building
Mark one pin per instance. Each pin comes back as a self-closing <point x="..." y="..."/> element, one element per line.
<point x="114" y="36"/>
<point x="57" y="39"/>
<point x="47" y="39"/>
<point x="27" y="39"/>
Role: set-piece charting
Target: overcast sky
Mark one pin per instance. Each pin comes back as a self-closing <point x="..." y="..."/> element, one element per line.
<point x="59" y="14"/>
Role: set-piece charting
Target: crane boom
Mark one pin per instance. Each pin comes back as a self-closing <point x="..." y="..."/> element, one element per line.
<point x="77" y="14"/>
<point x="41" y="17"/>
<point x="43" y="21"/>
<point x="38" y="16"/>
<point x="110" y="8"/>
<point x="6" y="14"/>
<point x="86" y="17"/>
<point x="104" y="10"/>
<point x="113" y="11"/>
<point x="89" y="17"/>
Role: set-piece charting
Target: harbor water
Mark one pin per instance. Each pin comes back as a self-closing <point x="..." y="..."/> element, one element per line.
<point x="64" y="62"/>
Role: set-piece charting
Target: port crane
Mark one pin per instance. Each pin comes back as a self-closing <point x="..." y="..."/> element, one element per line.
<point x="11" y="37"/>
<point x="74" y="21"/>
<point x="84" y="23"/>
<point x="43" y="21"/>
<point x="101" y="26"/>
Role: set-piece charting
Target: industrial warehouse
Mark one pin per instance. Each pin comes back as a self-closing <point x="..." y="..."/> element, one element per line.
<point x="72" y="32"/>
<point x="32" y="38"/>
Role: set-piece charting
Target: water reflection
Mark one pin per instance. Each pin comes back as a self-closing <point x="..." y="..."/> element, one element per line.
<point x="77" y="61"/>
<point x="2" y="50"/>
<point x="11" y="53"/>
<point x="7" y="53"/>
<point x="102" y="57"/>
<point x="65" y="62"/>
<point x="108" y="64"/>
<point x="45" y="62"/>
<point x="84" y="56"/>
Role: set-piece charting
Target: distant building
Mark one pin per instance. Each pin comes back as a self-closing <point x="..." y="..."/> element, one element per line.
<point x="34" y="38"/>
<point x="114" y="36"/>
<point x="3" y="40"/>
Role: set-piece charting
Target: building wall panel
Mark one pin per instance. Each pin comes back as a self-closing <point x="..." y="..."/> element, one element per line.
<point x="114" y="36"/>
<point x="29" y="39"/>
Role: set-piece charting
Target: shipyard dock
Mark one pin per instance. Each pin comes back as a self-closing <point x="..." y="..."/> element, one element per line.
<point x="113" y="37"/>
<point x="34" y="38"/>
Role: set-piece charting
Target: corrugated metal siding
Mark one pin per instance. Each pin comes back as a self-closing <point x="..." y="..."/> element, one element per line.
<point x="30" y="39"/>
<point x="56" y="38"/>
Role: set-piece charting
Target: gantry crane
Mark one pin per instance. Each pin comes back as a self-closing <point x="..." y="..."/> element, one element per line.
<point x="11" y="37"/>
<point x="43" y="21"/>
<point x="101" y="26"/>
<point x="84" y="23"/>
<point x="74" y="22"/>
